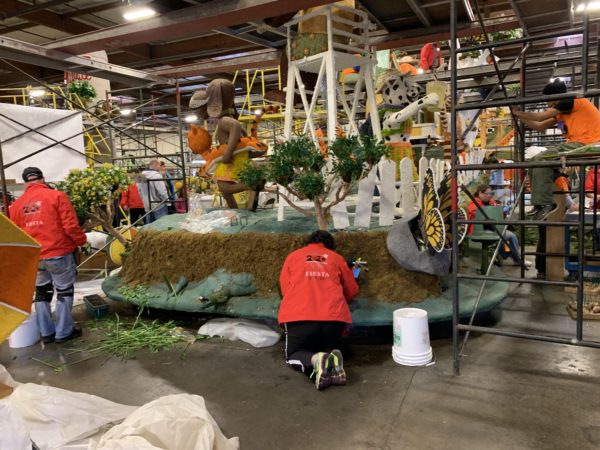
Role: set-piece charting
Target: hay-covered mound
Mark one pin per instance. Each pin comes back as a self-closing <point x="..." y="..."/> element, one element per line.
<point x="195" y="256"/>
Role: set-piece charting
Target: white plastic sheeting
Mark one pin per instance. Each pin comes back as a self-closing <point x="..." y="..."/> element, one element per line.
<point x="173" y="422"/>
<point x="57" y="160"/>
<point x="253" y="333"/>
<point x="55" y="419"/>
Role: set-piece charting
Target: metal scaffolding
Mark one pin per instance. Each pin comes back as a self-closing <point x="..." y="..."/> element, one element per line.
<point x="522" y="138"/>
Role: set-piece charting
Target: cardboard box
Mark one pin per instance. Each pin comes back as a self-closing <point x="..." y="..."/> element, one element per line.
<point x="5" y="390"/>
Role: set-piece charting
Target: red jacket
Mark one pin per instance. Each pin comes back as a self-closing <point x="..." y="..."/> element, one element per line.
<point x="472" y="209"/>
<point x="48" y="216"/>
<point x="131" y="197"/>
<point x="430" y="57"/>
<point x="316" y="284"/>
<point x="590" y="180"/>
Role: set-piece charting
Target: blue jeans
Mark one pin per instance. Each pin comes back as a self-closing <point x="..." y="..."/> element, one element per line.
<point x="61" y="271"/>
<point x="513" y="244"/>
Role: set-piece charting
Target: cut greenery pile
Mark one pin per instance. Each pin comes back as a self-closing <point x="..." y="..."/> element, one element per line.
<point x="125" y="338"/>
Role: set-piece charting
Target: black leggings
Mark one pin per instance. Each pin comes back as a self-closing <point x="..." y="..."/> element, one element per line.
<point x="304" y="339"/>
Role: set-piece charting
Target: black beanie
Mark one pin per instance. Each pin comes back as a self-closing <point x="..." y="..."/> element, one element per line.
<point x="32" y="174"/>
<point x="556" y="87"/>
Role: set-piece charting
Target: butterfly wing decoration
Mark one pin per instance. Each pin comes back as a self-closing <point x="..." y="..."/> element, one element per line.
<point x="433" y="230"/>
<point x="462" y="229"/>
<point x="445" y="207"/>
<point x="430" y="198"/>
<point x="432" y="225"/>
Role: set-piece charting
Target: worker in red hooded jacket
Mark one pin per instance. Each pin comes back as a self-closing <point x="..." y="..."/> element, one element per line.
<point x="316" y="285"/>
<point x="48" y="216"/>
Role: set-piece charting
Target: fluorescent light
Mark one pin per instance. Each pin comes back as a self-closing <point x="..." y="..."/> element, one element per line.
<point x="593" y="6"/>
<point x="258" y="111"/>
<point x="127" y="111"/>
<point x="37" y="92"/>
<point x="132" y="15"/>
<point x="191" y="118"/>
<point x="588" y="6"/>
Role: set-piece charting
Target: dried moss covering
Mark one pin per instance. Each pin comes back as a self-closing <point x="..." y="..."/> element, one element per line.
<point x="195" y="256"/>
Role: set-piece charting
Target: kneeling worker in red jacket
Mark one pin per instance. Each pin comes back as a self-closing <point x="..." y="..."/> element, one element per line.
<point x="316" y="284"/>
<point x="48" y="216"/>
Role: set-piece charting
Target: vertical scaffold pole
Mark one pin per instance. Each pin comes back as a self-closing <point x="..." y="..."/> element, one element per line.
<point x="454" y="165"/>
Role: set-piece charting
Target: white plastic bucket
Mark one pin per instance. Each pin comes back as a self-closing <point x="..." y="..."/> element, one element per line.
<point x="26" y="334"/>
<point x="411" y="337"/>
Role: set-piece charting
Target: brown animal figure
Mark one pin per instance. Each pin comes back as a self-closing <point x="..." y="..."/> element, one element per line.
<point x="218" y="102"/>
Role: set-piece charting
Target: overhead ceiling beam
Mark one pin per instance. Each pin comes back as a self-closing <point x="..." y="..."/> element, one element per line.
<point x="517" y="11"/>
<point x="254" y="61"/>
<point x="14" y="50"/>
<point x="244" y="36"/>
<point x="190" y="48"/>
<point x="181" y="23"/>
<point x="47" y="18"/>
<point x="419" y="12"/>
<point x="36" y="7"/>
<point x="94" y="9"/>
<point x="18" y="27"/>
<point x="398" y="40"/>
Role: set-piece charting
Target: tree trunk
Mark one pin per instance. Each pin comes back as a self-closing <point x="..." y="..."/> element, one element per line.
<point x="106" y="221"/>
<point x="321" y="217"/>
<point x="115" y="233"/>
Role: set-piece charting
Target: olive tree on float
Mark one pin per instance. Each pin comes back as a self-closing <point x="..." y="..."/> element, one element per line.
<point x="324" y="178"/>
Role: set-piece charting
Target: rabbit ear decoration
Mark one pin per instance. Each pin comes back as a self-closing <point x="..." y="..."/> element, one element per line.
<point x="199" y="98"/>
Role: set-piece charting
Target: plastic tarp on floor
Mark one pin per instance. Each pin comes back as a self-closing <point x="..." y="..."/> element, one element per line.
<point x="55" y="419"/>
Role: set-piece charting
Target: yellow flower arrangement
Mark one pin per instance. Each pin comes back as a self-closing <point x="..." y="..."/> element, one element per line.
<point x="93" y="188"/>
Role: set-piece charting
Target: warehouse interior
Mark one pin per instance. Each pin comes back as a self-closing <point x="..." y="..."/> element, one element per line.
<point x="513" y="358"/>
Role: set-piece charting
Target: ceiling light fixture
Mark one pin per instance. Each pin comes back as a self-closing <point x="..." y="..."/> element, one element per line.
<point x="191" y="118"/>
<point x="133" y="14"/>
<point x="588" y="6"/>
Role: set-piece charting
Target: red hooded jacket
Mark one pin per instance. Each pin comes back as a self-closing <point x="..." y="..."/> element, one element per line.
<point x="316" y="284"/>
<point x="48" y="216"/>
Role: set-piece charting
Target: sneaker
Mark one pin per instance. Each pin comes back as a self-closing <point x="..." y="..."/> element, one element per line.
<point x="338" y="374"/>
<point x="48" y="339"/>
<point x="321" y="371"/>
<point x="75" y="333"/>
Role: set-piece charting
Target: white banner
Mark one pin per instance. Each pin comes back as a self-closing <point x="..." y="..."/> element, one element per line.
<point x="17" y="141"/>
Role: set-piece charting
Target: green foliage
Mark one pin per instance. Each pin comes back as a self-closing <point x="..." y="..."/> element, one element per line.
<point x="300" y="166"/>
<point x="92" y="188"/>
<point x="309" y="184"/>
<point x="253" y="177"/>
<point x="82" y="88"/>
<point x="373" y="150"/>
<point x="507" y="35"/>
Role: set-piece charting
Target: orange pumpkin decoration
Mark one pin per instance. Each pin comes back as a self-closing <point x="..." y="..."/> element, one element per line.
<point x="199" y="140"/>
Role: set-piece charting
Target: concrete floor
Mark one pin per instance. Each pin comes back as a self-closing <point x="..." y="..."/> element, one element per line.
<point x="511" y="394"/>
